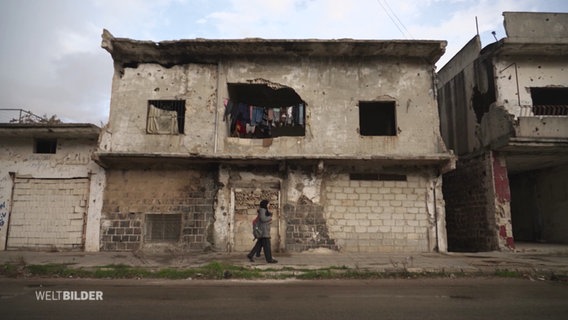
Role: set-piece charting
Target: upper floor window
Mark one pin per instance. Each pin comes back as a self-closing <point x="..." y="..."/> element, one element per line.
<point x="45" y="145"/>
<point x="166" y="117"/>
<point x="377" y="118"/>
<point x="550" y="101"/>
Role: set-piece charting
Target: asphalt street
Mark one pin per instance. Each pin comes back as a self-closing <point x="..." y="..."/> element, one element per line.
<point x="461" y="298"/>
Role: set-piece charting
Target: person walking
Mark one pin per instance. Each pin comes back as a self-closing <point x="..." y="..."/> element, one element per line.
<point x="263" y="242"/>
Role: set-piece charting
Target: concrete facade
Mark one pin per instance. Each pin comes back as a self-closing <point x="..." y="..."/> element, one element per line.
<point x="505" y="107"/>
<point x="331" y="184"/>
<point x="50" y="200"/>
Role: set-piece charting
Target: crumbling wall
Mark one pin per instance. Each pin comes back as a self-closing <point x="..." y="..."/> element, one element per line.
<point x="332" y="90"/>
<point x="306" y="226"/>
<point x="131" y="194"/>
<point x="470" y="212"/>
<point x="196" y="84"/>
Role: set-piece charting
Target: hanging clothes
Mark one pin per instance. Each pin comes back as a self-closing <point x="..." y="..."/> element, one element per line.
<point x="257" y="115"/>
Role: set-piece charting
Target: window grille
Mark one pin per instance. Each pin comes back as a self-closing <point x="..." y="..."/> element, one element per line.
<point x="163" y="227"/>
<point x="166" y="117"/>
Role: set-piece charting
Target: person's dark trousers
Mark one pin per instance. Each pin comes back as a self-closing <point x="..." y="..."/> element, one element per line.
<point x="267" y="250"/>
<point x="256" y="249"/>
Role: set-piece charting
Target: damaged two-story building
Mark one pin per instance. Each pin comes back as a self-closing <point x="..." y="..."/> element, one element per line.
<point x="341" y="136"/>
<point x="504" y="111"/>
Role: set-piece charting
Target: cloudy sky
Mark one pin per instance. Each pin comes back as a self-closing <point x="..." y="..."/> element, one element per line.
<point x="51" y="61"/>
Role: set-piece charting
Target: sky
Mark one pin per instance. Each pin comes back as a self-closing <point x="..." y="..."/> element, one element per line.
<point x="52" y="63"/>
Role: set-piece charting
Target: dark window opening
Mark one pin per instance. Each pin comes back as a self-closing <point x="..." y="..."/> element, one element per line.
<point x="166" y="117"/>
<point x="392" y="177"/>
<point x="364" y="176"/>
<point x="377" y="118"/>
<point x="45" y="145"/>
<point x="377" y="177"/>
<point x="264" y="110"/>
<point x="163" y="227"/>
<point x="550" y="101"/>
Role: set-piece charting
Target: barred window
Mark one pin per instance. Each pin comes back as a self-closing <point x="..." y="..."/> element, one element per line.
<point x="163" y="227"/>
<point x="166" y="117"/>
<point x="550" y="101"/>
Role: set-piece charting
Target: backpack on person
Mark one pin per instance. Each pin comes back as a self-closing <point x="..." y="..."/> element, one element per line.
<point x="256" y="232"/>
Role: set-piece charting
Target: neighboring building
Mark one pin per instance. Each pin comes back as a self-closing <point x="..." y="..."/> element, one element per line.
<point x="504" y="111"/>
<point x="50" y="188"/>
<point x="353" y="160"/>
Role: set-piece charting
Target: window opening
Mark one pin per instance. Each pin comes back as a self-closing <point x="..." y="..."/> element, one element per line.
<point x="166" y="117"/>
<point x="377" y="177"/>
<point x="45" y="145"/>
<point x="377" y="118"/>
<point x="163" y="227"/>
<point x="550" y="101"/>
<point x="392" y="177"/>
<point x="364" y="176"/>
<point x="264" y="110"/>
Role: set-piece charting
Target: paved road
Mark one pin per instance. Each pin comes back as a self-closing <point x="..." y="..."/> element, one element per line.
<point x="377" y="299"/>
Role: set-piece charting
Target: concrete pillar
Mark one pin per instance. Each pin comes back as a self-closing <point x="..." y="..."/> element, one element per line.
<point x="502" y="202"/>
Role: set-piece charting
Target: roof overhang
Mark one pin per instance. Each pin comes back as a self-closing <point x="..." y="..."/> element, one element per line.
<point x="529" y="47"/>
<point x="444" y="162"/>
<point x="128" y="52"/>
<point x="527" y="154"/>
<point x="61" y="130"/>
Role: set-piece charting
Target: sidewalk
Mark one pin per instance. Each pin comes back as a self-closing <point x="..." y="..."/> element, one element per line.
<point x="549" y="259"/>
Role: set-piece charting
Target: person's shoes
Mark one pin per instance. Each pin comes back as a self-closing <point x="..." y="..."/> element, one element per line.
<point x="250" y="258"/>
<point x="273" y="261"/>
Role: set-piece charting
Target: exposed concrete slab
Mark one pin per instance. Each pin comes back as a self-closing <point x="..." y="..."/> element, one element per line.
<point x="126" y="51"/>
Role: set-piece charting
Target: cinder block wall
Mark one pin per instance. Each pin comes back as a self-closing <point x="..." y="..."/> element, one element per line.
<point x="131" y="194"/>
<point x="306" y="226"/>
<point x="378" y="216"/>
<point x="470" y="217"/>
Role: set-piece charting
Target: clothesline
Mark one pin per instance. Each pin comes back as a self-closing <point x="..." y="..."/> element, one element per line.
<point x="248" y="119"/>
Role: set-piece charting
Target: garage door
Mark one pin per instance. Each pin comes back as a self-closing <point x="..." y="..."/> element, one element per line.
<point x="48" y="213"/>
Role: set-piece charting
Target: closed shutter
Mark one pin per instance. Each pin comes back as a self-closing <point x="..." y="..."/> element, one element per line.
<point x="48" y="213"/>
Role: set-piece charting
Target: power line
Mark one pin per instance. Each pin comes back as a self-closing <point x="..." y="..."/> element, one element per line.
<point x="390" y="13"/>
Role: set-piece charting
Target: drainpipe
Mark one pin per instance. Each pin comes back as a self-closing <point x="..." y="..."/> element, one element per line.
<point x="437" y="247"/>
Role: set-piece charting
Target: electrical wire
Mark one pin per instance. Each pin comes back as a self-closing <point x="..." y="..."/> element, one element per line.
<point x="386" y="7"/>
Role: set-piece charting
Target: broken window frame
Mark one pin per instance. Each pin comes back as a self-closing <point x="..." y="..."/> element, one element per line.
<point x="549" y="101"/>
<point x="166" y="117"/>
<point x="371" y="112"/>
<point x="283" y="110"/>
